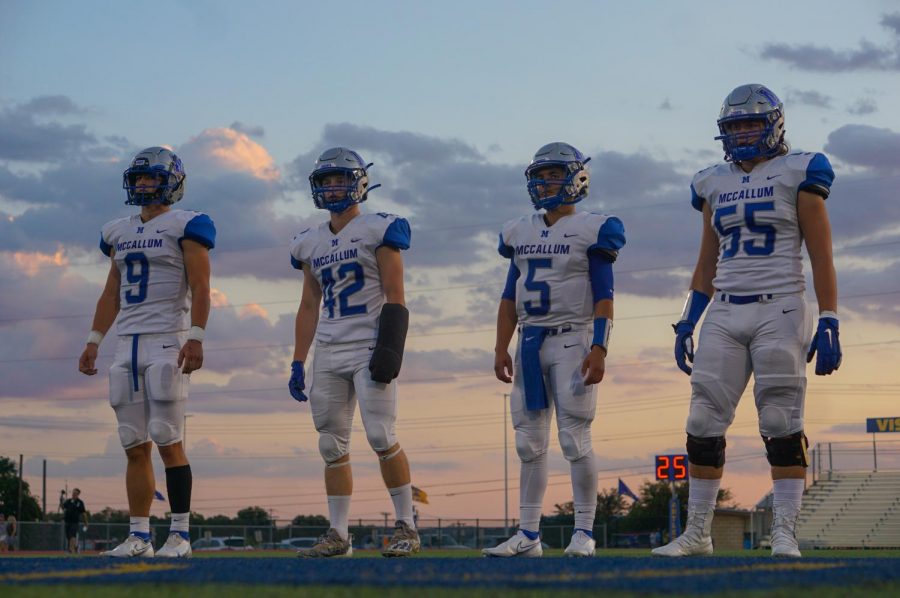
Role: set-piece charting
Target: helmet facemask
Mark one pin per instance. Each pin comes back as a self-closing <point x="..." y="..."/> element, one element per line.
<point x="757" y="103"/>
<point x="353" y="186"/>
<point x="572" y="189"/>
<point x="168" y="170"/>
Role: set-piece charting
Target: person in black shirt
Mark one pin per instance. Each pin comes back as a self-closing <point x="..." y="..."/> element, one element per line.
<point x="73" y="510"/>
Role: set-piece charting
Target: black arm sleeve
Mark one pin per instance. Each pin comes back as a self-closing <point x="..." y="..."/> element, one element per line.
<point x="393" y="324"/>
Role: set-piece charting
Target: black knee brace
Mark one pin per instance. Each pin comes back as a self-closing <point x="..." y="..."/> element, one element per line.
<point x="787" y="451"/>
<point x="706" y="451"/>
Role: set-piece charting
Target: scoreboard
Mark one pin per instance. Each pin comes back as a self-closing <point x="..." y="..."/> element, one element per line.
<point x="671" y="468"/>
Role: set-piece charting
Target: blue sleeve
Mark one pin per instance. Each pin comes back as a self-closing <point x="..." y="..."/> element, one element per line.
<point x="505" y="250"/>
<point x="509" y="291"/>
<point x="202" y="230"/>
<point x="296" y="263"/>
<point x="819" y="176"/>
<point x="696" y="200"/>
<point x="105" y="247"/>
<point x="600" y="271"/>
<point x="398" y="234"/>
<point x="610" y="239"/>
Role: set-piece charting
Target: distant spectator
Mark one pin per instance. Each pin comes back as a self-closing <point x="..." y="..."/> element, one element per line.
<point x="73" y="510"/>
<point x="8" y="530"/>
<point x="4" y="541"/>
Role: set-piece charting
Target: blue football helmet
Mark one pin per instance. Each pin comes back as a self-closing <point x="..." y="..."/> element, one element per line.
<point x="165" y="166"/>
<point x="752" y="102"/>
<point x="572" y="189"/>
<point x="355" y="187"/>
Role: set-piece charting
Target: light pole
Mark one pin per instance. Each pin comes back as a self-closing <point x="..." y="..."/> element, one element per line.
<point x="505" y="470"/>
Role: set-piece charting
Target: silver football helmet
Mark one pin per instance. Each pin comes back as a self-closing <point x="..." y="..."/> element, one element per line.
<point x="165" y="166"/>
<point x="355" y="186"/>
<point x="752" y="102"/>
<point x="572" y="189"/>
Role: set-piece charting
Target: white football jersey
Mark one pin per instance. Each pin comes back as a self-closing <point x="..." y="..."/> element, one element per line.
<point x="154" y="292"/>
<point x="347" y="271"/>
<point x="755" y="217"/>
<point x="553" y="287"/>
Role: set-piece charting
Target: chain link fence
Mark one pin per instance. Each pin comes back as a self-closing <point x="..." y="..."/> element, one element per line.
<point x="445" y="534"/>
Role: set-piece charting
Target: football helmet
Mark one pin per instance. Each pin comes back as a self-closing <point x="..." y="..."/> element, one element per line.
<point x="752" y="102"/>
<point x="166" y="166"/>
<point x="572" y="189"/>
<point x="355" y="188"/>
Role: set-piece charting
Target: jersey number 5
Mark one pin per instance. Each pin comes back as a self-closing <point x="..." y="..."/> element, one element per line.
<point x="733" y="245"/>
<point x="538" y="286"/>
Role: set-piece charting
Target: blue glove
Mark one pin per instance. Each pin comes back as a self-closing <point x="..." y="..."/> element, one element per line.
<point x="296" y="385"/>
<point x="825" y="342"/>
<point x="684" y="345"/>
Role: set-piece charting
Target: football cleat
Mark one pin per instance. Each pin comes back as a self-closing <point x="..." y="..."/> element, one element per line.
<point x="581" y="545"/>
<point x="133" y="546"/>
<point x="696" y="539"/>
<point x="176" y="547"/>
<point x="784" y="537"/>
<point x="329" y="545"/>
<point x="404" y="541"/>
<point x="518" y="545"/>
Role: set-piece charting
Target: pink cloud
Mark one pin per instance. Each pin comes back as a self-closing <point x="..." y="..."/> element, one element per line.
<point x="226" y="149"/>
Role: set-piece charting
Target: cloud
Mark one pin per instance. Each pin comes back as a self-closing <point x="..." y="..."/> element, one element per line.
<point x="863" y="106"/>
<point x="26" y="135"/>
<point x="221" y="150"/>
<point x="867" y="56"/>
<point x="248" y="130"/>
<point x="808" y="97"/>
<point x="863" y="145"/>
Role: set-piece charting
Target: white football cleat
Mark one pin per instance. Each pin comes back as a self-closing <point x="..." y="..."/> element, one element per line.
<point x="518" y="545"/>
<point x="176" y="547"/>
<point x="581" y="545"/>
<point x="696" y="539"/>
<point x="133" y="546"/>
<point x="784" y="537"/>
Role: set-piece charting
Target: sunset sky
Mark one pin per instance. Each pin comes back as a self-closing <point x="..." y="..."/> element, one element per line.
<point x="450" y="101"/>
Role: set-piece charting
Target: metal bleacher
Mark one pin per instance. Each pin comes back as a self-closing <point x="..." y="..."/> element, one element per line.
<point x="852" y="510"/>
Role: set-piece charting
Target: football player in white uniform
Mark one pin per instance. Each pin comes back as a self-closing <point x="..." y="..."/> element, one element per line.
<point x="353" y="304"/>
<point x="559" y="291"/>
<point x="758" y="208"/>
<point x="159" y="272"/>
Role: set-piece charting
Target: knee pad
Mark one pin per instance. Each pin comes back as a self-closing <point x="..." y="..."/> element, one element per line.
<point x="779" y="401"/>
<point x="708" y="451"/>
<point x="130" y="436"/>
<point x="528" y="449"/>
<point x="380" y="436"/>
<point x="575" y="444"/>
<point x="163" y="433"/>
<point x="331" y="447"/>
<point x="787" y="451"/>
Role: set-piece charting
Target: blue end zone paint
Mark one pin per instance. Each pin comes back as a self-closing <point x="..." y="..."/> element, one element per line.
<point x="687" y="575"/>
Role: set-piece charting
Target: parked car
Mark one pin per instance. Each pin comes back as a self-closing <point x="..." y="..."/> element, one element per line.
<point x="441" y="542"/>
<point x="297" y="543"/>
<point x="218" y="543"/>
